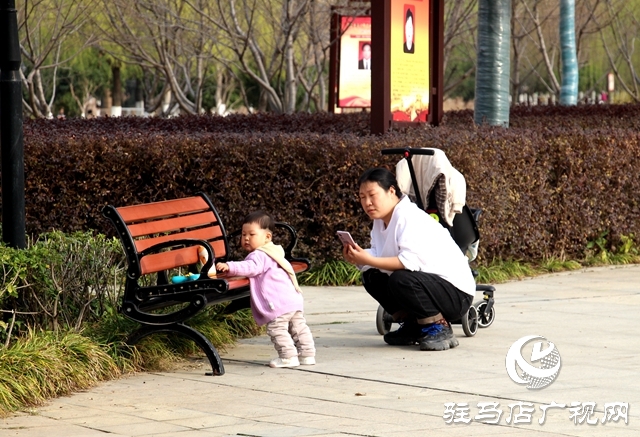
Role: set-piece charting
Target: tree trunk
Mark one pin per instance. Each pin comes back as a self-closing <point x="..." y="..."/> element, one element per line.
<point x="291" y="87"/>
<point x="492" y="77"/>
<point x="116" y="105"/>
<point x="105" y="107"/>
<point x="139" y="97"/>
<point x="569" y="89"/>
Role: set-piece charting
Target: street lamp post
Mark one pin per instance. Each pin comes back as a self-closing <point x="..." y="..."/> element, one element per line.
<point x="13" y="205"/>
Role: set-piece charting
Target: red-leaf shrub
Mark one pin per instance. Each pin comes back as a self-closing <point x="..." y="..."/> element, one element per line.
<point x="556" y="179"/>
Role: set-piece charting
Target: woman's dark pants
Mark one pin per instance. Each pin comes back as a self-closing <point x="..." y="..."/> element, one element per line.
<point x="418" y="293"/>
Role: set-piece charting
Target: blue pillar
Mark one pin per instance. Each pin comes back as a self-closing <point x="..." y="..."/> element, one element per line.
<point x="12" y="157"/>
<point x="569" y="89"/>
<point x="494" y="63"/>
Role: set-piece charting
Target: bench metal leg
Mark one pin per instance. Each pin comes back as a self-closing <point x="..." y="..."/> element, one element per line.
<point x="203" y="342"/>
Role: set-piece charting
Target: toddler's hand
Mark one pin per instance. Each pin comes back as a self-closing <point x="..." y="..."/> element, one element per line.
<point x="222" y="267"/>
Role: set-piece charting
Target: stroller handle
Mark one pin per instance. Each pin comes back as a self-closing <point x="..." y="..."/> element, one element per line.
<point x="407" y="151"/>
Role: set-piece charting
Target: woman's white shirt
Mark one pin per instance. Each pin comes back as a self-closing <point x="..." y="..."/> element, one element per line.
<point x="422" y="244"/>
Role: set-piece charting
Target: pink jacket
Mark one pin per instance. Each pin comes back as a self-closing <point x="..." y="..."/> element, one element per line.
<point x="272" y="292"/>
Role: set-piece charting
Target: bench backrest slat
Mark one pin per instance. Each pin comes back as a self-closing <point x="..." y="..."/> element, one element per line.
<point x="166" y="208"/>
<point x="172" y="224"/>
<point x="167" y="260"/>
<point x="208" y="234"/>
<point x="177" y="257"/>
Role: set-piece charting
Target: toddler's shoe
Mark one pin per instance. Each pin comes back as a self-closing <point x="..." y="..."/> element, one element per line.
<point x="284" y="362"/>
<point x="307" y="361"/>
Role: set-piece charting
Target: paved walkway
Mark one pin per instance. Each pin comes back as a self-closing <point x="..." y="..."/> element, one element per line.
<point x="362" y="387"/>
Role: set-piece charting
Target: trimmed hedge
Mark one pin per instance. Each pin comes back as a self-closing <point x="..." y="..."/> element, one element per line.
<point x="556" y="179"/>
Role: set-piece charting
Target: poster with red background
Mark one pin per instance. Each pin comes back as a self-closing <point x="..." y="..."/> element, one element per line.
<point x="354" y="80"/>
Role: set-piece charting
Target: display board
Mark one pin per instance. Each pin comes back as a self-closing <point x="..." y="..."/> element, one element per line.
<point x="354" y="64"/>
<point x="409" y="60"/>
<point x="407" y="76"/>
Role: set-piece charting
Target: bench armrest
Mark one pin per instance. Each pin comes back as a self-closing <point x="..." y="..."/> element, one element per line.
<point x="293" y="239"/>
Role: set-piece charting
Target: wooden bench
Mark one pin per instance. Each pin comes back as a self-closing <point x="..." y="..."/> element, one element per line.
<point x="162" y="238"/>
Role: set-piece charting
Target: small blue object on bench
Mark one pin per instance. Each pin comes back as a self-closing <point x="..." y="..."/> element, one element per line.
<point x="164" y="237"/>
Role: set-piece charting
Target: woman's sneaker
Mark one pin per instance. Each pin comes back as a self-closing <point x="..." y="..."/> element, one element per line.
<point x="437" y="337"/>
<point x="407" y="334"/>
<point x="284" y="362"/>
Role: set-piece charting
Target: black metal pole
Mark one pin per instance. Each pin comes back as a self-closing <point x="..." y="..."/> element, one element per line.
<point x="381" y="66"/>
<point x="13" y="209"/>
<point x="436" y="35"/>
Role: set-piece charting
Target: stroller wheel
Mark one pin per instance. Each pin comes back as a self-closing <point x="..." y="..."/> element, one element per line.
<point x="382" y="321"/>
<point x="470" y="322"/>
<point x="485" y="320"/>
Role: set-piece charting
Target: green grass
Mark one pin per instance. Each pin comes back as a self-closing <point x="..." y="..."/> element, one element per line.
<point x="43" y="365"/>
<point x="341" y="273"/>
<point x="501" y="271"/>
<point x="332" y="273"/>
<point x="160" y="351"/>
<point x="599" y="252"/>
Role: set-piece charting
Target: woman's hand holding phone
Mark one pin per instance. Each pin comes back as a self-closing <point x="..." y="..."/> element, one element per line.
<point x="350" y="249"/>
<point x="346" y="238"/>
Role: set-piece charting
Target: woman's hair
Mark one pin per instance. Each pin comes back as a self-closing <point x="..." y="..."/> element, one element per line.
<point x="382" y="177"/>
<point x="264" y="220"/>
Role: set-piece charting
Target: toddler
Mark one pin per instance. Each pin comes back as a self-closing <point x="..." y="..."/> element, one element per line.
<point x="276" y="298"/>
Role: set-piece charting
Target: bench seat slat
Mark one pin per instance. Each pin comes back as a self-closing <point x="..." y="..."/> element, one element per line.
<point x="165" y="208"/>
<point x="299" y="266"/>
<point x="172" y="224"/>
<point x="168" y="260"/>
<point x="236" y="282"/>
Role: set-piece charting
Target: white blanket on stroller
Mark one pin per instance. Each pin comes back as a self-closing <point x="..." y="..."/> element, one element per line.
<point x="435" y="171"/>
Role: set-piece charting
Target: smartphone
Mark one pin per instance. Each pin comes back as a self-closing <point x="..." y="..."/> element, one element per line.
<point x="346" y="238"/>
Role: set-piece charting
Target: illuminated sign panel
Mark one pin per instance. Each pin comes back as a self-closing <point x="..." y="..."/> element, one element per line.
<point x="409" y="73"/>
<point x="354" y="75"/>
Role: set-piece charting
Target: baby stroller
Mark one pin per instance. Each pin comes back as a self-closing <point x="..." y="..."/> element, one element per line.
<point x="464" y="232"/>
